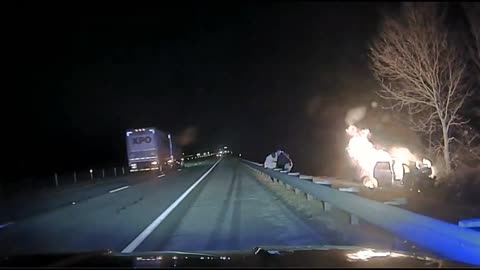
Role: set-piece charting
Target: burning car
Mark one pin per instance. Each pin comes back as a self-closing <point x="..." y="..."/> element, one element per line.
<point x="377" y="167"/>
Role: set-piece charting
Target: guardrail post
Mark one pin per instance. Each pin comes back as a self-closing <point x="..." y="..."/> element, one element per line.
<point x="123" y="170"/>
<point x="306" y="177"/>
<point x="297" y="191"/>
<point x="310" y="197"/>
<point x="326" y="206"/>
<point x="74" y="177"/>
<point x="319" y="181"/>
<point x="288" y="187"/>
<point x="103" y="173"/>
<point x="353" y="220"/>
<point x="115" y="171"/>
<point x="56" y="180"/>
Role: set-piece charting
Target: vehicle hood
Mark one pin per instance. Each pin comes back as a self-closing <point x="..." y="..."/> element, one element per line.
<point x="263" y="256"/>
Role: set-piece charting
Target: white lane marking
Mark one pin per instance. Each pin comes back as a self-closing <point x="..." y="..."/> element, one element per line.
<point x="139" y="239"/>
<point x="5" y="225"/>
<point x="118" y="189"/>
<point x="161" y="175"/>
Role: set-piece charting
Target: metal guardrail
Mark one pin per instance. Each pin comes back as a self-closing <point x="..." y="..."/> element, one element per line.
<point x="88" y="175"/>
<point x="60" y="181"/>
<point x="447" y="240"/>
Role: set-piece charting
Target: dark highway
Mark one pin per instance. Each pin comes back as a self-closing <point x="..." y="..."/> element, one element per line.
<point x="211" y="205"/>
<point x="141" y="133"/>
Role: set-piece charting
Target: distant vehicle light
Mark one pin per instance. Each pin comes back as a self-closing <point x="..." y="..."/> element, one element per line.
<point x="225" y="147"/>
<point x="182" y="158"/>
<point x="134" y="165"/>
<point x="154" y="163"/>
<point x="198" y="154"/>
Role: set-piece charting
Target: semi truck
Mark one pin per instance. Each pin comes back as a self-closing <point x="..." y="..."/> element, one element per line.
<point x="152" y="149"/>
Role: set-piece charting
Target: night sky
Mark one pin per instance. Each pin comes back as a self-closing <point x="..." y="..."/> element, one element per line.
<point x="253" y="76"/>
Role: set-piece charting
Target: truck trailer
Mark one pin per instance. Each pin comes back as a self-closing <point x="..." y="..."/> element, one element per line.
<point x="151" y="149"/>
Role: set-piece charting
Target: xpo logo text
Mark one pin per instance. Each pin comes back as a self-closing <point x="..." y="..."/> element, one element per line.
<point x="140" y="140"/>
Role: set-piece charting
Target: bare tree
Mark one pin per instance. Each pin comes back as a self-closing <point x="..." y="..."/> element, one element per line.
<point x="420" y="72"/>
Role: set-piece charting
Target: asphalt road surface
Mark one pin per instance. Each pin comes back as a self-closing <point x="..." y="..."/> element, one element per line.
<point x="215" y="205"/>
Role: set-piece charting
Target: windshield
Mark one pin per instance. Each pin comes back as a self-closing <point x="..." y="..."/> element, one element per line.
<point x="202" y="127"/>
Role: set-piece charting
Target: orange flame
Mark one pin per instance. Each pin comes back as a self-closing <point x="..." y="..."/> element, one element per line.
<point x="365" y="156"/>
<point x="362" y="151"/>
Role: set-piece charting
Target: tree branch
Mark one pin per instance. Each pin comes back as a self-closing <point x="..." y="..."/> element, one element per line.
<point x="421" y="72"/>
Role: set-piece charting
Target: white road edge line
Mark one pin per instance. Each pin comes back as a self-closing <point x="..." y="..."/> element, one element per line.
<point x="161" y="175"/>
<point x="5" y="225"/>
<point x="118" y="189"/>
<point x="139" y="239"/>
